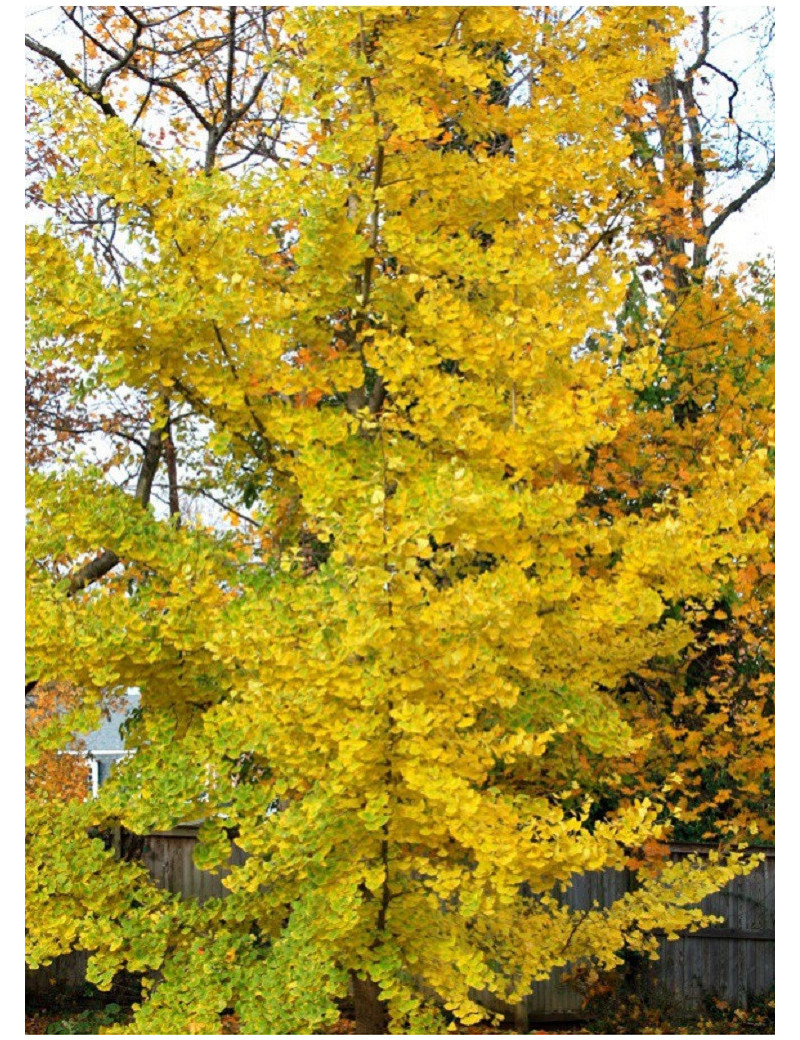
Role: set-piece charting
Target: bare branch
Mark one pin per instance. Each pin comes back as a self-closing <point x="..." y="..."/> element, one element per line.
<point x="205" y="493"/>
<point x="74" y="77"/>
<point x="77" y="81"/>
<point x="700" y="60"/>
<point x="731" y="80"/>
<point x="172" y="475"/>
<point x="107" y="560"/>
<point x="745" y="197"/>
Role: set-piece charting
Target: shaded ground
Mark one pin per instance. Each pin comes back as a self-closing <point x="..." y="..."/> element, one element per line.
<point x="609" y="1008"/>
<point x="624" y="1017"/>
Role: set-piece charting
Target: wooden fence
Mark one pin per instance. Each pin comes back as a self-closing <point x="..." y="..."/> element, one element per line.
<point x="169" y="858"/>
<point x="734" y="961"/>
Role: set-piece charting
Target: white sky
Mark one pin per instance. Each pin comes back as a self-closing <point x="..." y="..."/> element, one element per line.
<point x="751" y="232"/>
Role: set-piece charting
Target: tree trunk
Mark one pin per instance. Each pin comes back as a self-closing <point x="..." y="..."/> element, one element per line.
<point x="372" y="1017"/>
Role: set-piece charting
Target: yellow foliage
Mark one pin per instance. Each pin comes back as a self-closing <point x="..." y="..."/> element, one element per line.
<point x="388" y="697"/>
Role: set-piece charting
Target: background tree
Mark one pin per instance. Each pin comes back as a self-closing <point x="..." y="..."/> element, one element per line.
<point x="705" y="133"/>
<point x="712" y="711"/>
<point x="60" y="773"/>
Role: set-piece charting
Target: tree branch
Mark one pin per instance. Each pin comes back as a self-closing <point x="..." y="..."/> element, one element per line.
<point x="698" y="187"/>
<point x="172" y="475"/>
<point x="77" y="81"/>
<point x="739" y="202"/>
<point x="74" y="78"/>
<point x="731" y="80"/>
<point x="700" y="60"/>
<point x="229" y="72"/>
<point x="108" y="559"/>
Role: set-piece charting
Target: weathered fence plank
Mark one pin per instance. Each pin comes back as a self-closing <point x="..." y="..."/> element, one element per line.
<point x="66" y="974"/>
<point x="169" y="858"/>
<point x="734" y="961"/>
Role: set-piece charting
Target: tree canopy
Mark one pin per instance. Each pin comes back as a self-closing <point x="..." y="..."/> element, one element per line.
<point x="484" y="595"/>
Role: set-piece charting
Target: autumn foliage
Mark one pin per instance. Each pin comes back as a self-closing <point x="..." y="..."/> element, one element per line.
<point x="60" y="772"/>
<point x="488" y="595"/>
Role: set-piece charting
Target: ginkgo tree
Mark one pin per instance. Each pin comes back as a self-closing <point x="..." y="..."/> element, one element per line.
<point x="375" y="687"/>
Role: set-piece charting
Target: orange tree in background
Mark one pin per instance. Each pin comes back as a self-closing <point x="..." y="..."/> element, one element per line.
<point x="712" y="712"/>
<point x="386" y="344"/>
<point x="60" y="772"/>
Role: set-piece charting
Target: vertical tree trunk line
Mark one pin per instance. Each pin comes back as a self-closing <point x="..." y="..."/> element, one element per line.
<point x="371" y="1015"/>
